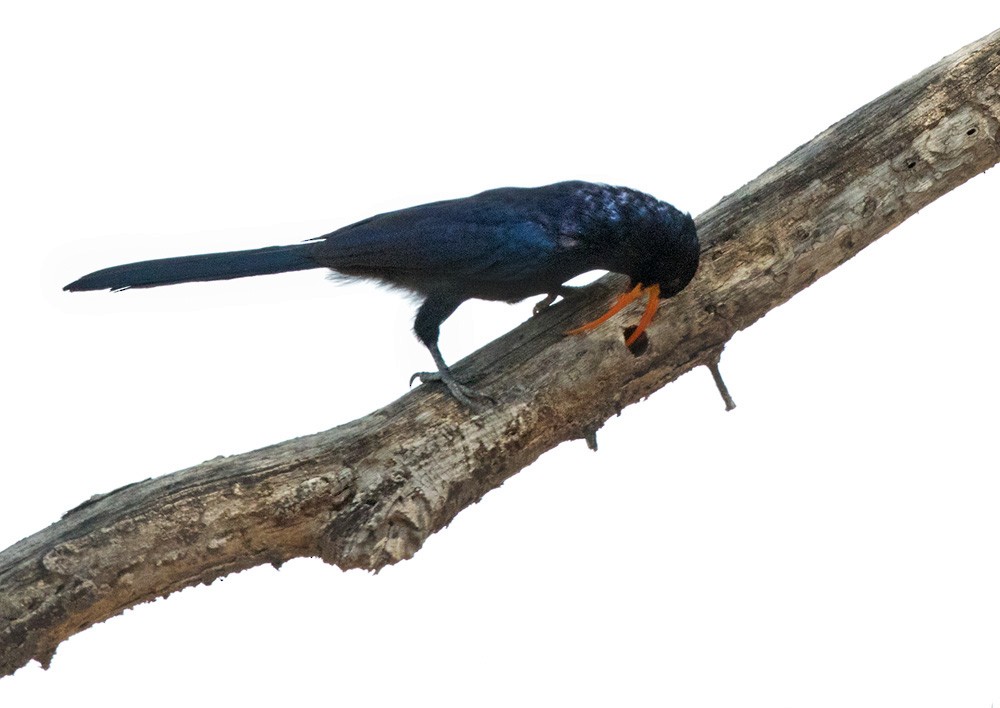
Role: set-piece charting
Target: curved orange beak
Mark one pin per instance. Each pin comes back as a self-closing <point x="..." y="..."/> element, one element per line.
<point x="621" y="303"/>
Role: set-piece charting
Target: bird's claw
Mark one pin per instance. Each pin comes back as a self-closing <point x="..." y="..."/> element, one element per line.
<point x="564" y="291"/>
<point x="542" y="305"/>
<point x="465" y="395"/>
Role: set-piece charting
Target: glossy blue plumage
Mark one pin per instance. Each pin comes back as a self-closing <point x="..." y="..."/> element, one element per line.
<point x="503" y="244"/>
<point x="511" y="243"/>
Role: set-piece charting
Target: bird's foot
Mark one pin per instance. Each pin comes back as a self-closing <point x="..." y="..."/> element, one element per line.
<point x="465" y="395"/>
<point x="542" y="305"/>
<point x="564" y="291"/>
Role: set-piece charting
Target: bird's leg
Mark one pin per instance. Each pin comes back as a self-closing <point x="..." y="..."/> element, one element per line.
<point x="543" y="304"/>
<point x="563" y="291"/>
<point x="427" y="326"/>
<point x="463" y="394"/>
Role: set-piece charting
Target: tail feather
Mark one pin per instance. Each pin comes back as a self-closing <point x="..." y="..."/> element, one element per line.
<point x="209" y="266"/>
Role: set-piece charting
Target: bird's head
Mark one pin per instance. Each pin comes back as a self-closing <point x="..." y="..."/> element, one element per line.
<point x="667" y="252"/>
<point x="657" y="248"/>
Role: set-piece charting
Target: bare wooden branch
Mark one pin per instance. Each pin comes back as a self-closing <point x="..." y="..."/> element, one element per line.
<point x="369" y="493"/>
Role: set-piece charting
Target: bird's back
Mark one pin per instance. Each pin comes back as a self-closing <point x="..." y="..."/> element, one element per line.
<point x="501" y="244"/>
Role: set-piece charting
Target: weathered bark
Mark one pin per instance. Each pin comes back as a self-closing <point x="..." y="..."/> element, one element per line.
<point x="369" y="493"/>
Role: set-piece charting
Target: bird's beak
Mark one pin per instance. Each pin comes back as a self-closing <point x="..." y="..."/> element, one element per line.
<point x="623" y="301"/>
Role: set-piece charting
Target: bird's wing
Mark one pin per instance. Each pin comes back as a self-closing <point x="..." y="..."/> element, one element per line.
<point x="493" y="237"/>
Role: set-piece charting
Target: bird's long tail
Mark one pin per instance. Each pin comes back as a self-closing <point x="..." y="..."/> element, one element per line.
<point x="209" y="266"/>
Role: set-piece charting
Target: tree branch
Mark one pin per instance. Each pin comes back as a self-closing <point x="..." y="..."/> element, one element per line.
<point x="370" y="492"/>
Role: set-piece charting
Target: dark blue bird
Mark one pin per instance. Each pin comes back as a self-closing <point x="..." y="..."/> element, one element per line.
<point x="503" y="244"/>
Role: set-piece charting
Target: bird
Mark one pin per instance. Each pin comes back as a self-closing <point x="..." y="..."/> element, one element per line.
<point x="503" y="244"/>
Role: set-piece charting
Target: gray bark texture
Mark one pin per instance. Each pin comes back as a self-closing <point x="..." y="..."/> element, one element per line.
<point x="369" y="493"/>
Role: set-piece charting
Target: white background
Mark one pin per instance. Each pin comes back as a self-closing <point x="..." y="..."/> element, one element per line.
<point x="835" y="540"/>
